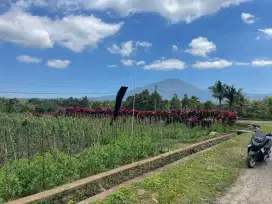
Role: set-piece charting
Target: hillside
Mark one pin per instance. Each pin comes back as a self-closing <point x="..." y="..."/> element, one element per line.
<point x="168" y="87"/>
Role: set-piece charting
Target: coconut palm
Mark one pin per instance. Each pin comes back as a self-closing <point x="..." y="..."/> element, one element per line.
<point x="240" y="100"/>
<point x="230" y="95"/>
<point x="218" y="91"/>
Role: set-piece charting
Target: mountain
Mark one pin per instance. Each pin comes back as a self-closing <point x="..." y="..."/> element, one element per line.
<point x="257" y="96"/>
<point x="167" y="88"/>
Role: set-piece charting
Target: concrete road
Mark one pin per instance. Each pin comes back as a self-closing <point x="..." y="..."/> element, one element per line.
<point x="252" y="187"/>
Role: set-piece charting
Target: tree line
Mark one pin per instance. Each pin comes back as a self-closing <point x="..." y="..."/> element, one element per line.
<point x="228" y="97"/>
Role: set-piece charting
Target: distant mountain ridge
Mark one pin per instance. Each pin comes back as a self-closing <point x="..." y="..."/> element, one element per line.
<point x="167" y="88"/>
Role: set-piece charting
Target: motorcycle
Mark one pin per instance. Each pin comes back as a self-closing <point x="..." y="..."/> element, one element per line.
<point x="259" y="148"/>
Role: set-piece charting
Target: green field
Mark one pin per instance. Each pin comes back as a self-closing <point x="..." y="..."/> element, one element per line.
<point x="39" y="153"/>
<point x="197" y="180"/>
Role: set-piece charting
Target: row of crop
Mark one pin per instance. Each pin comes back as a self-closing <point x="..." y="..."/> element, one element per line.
<point x="45" y="170"/>
<point x="23" y="136"/>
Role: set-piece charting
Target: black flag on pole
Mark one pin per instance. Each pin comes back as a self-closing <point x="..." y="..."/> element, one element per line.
<point x="118" y="102"/>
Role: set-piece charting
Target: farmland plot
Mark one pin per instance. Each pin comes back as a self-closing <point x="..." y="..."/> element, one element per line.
<point x="40" y="153"/>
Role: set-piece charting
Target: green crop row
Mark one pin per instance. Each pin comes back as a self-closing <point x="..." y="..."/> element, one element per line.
<point x="42" y="153"/>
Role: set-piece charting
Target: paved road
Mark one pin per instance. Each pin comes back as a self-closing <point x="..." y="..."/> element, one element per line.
<point x="253" y="187"/>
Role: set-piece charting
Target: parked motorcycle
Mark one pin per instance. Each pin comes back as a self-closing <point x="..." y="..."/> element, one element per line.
<point x="259" y="148"/>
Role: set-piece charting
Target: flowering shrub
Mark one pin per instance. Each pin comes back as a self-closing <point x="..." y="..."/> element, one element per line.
<point x="227" y="117"/>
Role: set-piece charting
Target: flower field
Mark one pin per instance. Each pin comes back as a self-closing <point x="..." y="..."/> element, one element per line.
<point x="39" y="153"/>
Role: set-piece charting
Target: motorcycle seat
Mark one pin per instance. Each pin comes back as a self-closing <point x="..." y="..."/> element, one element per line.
<point x="257" y="144"/>
<point x="260" y="142"/>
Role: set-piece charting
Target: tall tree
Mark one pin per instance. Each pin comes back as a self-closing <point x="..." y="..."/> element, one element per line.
<point x="185" y="101"/>
<point x="218" y="91"/>
<point x="175" y="103"/>
<point x="194" y="102"/>
<point x="208" y="105"/>
<point x="155" y="101"/>
<point x="84" y="102"/>
<point x="240" y="100"/>
<point x="230" y="95"/>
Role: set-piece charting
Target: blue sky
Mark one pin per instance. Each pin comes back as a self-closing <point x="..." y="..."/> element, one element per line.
<point x="86" y="46"/>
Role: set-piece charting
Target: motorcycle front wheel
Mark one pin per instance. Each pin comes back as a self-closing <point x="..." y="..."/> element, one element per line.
<point x="251" y="162"/>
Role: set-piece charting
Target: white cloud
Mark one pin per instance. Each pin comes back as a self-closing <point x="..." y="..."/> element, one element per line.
<point x="267" y="31"/>
<point x="73" y="32"/>
<point x="21" y="5"/>
<point x="125" y="49"/>
<point x="242" y="63"/>
<point x="112" y="66"/>
<point x="140" y="63"/>
<point x="201" y="47"/>
<point x="262" y="63"/>
<point x="218" y="64"/>
<point x="174" y="47"/>
<point x="248" y="18"/>
<point x="169" y="64"/>
<point x="28" y="59"/>
<point x="173" y="10"/>
<point x="60" y="64"/>
<point x="143" y="44"/>
<point x="258" y="38"/>
<point x="128" y="62"/>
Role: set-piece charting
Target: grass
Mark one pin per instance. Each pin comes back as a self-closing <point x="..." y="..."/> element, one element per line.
<point x="197" y="180"/>
<point x="266" y="128"/>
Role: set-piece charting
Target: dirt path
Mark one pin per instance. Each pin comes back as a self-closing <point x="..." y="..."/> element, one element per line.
<point x="254" y="186"/>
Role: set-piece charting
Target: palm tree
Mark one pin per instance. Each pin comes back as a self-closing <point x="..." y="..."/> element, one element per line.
<point x="231" y="95"/>
<point x="240" y="98"/>
<point x="218" y="91"/>
<point x="241" y="101"/>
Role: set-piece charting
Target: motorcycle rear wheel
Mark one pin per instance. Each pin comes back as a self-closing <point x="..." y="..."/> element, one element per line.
<point x="251" y="162"/>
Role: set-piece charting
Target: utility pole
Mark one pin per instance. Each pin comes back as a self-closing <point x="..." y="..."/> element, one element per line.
<point x="132" y="125"/>
<point x="155" y="104"/>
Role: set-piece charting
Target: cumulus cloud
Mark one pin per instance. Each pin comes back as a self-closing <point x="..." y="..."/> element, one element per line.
<point x="60" y="64"/>
<point x="125" y="49"/>
<point x="28" y="59"/>
<point x="173" y="10"/>
<point x="267" y="31"/>
<point x="21" y="5"/>
<point x="128" y="62"/>
<point x="169" y="64"/>
<point x="73" y="32"/>
<point x="218" y="64"/>
<point x="201" y="47"/>
<point x="140" y="63"/>
<point x="143" y="44"/>
<point x="248" y="18"/>
<point x="262" y="63"/>
<point x="174" y="47"/>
